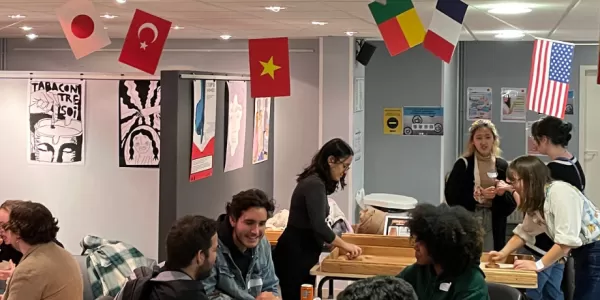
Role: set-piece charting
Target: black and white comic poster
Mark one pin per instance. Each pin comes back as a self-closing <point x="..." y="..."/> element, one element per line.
<point x="56" y="121"/>
<point x="139" y="123"/>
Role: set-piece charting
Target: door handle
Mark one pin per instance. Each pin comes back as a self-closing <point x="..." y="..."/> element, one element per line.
<point x="592" y="153"/>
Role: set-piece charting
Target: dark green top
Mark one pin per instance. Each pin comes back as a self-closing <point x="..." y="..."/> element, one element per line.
<point x="470" y="285"/>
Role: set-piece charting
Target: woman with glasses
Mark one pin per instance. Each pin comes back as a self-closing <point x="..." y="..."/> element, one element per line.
<point x="559" y="209"/>
<point x="301" y="243"/>
<point x="477" y="183"/>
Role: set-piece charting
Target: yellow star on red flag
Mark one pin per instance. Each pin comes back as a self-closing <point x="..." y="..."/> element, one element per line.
<point x="269" y="68"/>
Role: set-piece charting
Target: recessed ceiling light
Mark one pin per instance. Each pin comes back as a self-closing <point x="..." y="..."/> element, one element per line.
<point x="274" y="8"/>
<point x="177" y="27"/>
<point x="319" y="23"/>
<point x="17" y="16"/>
<point x="107" y="16"/>
<point x="26" y="28"/>
<point x="105" y="27"/>
<point x="351" y="33"/>
<point x="31" y="36"/>
<point x="121" y="1"/>
<point x="509" y="9"/>
<point x="510" y="34"/>
<point x="225" y="36"/>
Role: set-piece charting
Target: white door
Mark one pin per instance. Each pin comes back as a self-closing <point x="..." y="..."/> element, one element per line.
<point x="590" y="144"/>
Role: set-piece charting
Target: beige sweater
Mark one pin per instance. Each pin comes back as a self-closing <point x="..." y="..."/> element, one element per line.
<point x="46" y="272"/>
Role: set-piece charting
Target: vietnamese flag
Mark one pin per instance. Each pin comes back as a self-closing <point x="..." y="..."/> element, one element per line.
<point x="269" y="67"/>
<point x="145" y="41"/>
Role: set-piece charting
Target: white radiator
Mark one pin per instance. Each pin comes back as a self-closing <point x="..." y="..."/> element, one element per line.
<point x="515" y="218"/>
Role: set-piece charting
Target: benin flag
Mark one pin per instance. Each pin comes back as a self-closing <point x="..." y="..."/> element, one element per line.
<point x="269" y="67"/>
<point x="399" y="25"/>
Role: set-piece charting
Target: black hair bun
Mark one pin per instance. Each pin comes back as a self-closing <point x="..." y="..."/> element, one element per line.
<point x="566" y="127"/>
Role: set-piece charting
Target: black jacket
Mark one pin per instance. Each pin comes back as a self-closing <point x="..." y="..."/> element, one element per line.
<point x="459" y="191"/>
<point x="156" y="284"/>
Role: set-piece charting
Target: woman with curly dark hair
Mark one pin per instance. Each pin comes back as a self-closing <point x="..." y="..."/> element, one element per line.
<point x="46" y="271"/>
<point x="448" y="247"/>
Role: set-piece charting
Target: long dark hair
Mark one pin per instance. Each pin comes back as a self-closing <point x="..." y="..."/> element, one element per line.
<point x="339" y="150"/>
<point x="534" y="175"/>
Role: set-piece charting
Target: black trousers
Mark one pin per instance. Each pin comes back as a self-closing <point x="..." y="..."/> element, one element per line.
<point x="297" y="251"/>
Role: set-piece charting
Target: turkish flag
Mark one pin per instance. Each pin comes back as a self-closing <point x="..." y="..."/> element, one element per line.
<point x="269" y="67"/>
<point x="145" y="41"/>
<point x="82" y="27"/>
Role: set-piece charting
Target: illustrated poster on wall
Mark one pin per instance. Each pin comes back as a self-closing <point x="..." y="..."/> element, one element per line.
<point x="392" y="121"/>
<point x="56" y="121"/>
<point x="513" y="105"/>
<point x="530" y="145"/>
<point x="423" y="120"/>
<point x="203" y="129"/>
<point x="139" y="123"/>
<point x="479" y="103"/>
<point x="570" y="106"/>
<point x="236" y="125"/>
<point x="260" y="143"/>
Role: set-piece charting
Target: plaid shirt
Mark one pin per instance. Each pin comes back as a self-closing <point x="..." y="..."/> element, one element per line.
<point x="109" y="263"/>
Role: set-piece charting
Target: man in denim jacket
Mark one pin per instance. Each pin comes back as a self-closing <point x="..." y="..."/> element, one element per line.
<point x="244" y="268"/>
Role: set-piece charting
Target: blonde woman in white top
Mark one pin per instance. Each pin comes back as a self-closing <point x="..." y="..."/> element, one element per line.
<point x="564" y="214"/>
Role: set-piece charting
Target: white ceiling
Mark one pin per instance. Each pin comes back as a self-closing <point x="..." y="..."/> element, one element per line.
<point x="249" y="19"/>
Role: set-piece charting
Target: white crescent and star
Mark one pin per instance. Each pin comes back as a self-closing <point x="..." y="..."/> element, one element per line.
<point x="150" y="26"/>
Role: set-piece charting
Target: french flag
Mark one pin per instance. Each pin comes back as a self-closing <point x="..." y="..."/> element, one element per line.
<point x="445" y="27"/>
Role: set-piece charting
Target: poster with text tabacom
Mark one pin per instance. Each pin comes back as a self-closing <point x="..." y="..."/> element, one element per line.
<point x="56" y="121"/>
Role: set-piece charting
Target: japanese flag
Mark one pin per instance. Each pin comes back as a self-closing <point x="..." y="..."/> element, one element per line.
<point x="82" y="27"/>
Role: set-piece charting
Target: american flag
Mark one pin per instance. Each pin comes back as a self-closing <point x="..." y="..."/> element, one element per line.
<point x="550" y="76"/>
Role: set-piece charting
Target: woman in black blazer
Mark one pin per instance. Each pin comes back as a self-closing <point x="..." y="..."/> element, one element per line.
<point x="477" y="182"/>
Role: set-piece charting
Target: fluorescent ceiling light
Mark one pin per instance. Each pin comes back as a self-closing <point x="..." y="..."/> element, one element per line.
<point x="274" y="8"/>
<point x="509" y="9"/>
<point x="121" y="1"/>
<point x="510" y="34"/>
<point x="351" y="33"/>
<point x="107" y="16"/>
<point x="17" y="16"/>
<point x="225" y="36"/>
<point x="26" y="28"/>
<point x="319" y="23"/>
<point x="32" y="36"/>
<point x="178" y="27"/>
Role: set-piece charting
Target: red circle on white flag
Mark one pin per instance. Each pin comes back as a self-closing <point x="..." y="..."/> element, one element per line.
<point x="82" y="26"/>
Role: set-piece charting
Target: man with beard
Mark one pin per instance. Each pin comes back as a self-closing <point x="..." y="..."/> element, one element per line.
<point x="448" y="246"/>
<point x="244" y="267"/>
<point x="191" y="253"/>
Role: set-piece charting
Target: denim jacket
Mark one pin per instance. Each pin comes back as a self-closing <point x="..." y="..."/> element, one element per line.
<point x="226" y="282"/>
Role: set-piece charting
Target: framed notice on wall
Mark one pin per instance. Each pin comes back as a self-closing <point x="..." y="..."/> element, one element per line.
<point x="395" y="225"/>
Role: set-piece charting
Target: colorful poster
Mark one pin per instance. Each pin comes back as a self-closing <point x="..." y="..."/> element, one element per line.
<point x="513" y="105"/>
<point x="530" y="145"/>
<point x="203" y="129"/>
<point x="262" y="117"/>
<point x="236" y="125"/>
<point x="139" y="123"/>
<point x="570" y="99"/>
<point x="479" y="103"/>
<point x="56" y="121"/>
<point x="392" y="121"/>
<point x="423" y="120"/>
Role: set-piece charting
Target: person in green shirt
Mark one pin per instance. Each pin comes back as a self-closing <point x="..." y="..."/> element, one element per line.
<point x="448" y="246"/>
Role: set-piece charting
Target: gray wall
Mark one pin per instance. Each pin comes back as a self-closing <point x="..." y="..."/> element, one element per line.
<point x="135" y="190"/>
<point x="405" y="165"/>
<point x="179" y="196"/>
<point x="507" y="64"/>
<point x="450" y="103"/>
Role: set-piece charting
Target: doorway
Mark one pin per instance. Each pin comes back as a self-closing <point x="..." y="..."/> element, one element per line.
<point x="589" y="132"/>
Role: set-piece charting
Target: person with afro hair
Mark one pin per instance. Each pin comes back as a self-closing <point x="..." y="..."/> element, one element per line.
<point x="448" y="243"/>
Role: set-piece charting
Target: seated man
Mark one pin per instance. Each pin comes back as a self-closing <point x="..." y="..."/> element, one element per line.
<point x="378" y="288"/>
<point x="244" y="268"/>
<point x="191" y="253"/>
<point x="448" y="247"/>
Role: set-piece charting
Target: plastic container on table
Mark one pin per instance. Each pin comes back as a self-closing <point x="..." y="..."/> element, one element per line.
<point x="390" y="203"/>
